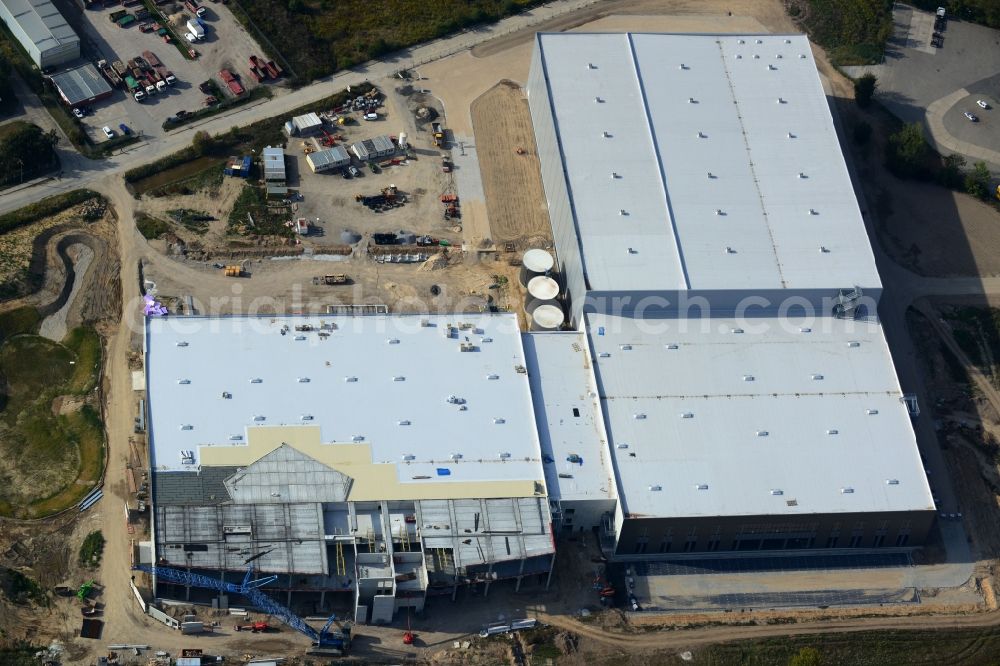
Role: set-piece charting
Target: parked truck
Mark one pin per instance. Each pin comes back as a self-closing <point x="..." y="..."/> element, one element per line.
<point x="134" y="88"/>
<point x="194" y="8"/>
<point x="163" y="74"/>
<point x="438" y="134"/>
<point x="230" y="79"/>
<point x="195" y="27"/>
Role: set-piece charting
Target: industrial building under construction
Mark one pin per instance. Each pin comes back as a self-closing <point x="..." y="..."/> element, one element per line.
<point x="722" y="382"/>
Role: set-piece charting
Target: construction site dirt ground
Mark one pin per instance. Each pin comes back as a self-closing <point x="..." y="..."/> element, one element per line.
<point x="508" y="164"/>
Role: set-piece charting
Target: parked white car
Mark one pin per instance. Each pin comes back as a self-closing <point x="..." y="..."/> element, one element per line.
<point x="108" y="132"/>
<point x="971" y="116"/>
<point x="982" y="103"/>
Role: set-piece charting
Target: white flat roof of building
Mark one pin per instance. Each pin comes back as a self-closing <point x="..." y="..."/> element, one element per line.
<point x="385" y="378"/>
<point x="705" y="420"/>
<point x="703" y="162"/>
<point x="569" y="418"/>
<point x="42" y="22"/>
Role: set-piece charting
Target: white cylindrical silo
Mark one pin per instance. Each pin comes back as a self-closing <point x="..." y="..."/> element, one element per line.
<point x="534" y="263"/>
<point x="403" y="141"/>
<point x="543" y="287"/>
<point x="547" y="318"/>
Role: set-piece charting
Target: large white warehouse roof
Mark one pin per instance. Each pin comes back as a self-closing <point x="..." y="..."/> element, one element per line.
<point x="399" y="384"/>
<point x="703" y="162"/>
<point x="41" y="22"/>
<point x="720" y="417"/>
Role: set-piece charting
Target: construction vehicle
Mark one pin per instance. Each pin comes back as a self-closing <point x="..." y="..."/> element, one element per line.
<point x="230" y="79"/>
<point x="333" y="641"/>
<point x="254" y="627"/>
<point x="438" y="134"/>
<point x="339" y="278"/>
<point x="233" y="271"/>
<point x="445" y="163"/>
<point x="194" y="8"/>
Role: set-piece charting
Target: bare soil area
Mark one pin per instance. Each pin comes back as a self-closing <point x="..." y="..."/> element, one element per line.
<point x="508" y="162"/>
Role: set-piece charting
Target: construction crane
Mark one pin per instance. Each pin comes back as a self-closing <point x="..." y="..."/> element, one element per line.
<point x="250" y="588"/>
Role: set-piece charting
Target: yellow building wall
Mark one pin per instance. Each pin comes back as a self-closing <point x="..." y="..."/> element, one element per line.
<point x="372" y="481"/>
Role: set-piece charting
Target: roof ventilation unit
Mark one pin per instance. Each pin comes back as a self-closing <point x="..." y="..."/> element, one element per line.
<point x="393" y="341"/>
<point x="702" y="486"/>
<point x="691" y="100"/>
<point x="748" y="378"/>
<point x="802" y="55"/>
<point x="853" y="343"/>
<point x="817" y="377"/>
<point x="824" y="249"/>
<point x="702" y="135"/>
<point x="871" y="412"/>
<point x="456" y="456"/>
<point x="762" y="433"/>
<point x="656" y="489"/>
<point x="832" y="431"/>
<point x="256" y="380"/>
<point x="591" y="65"/>
<point x="805" y="329"/>
<point x="399" y="378"/>
<point x="802" y="174"/>
<point x="492" y="377"/>
<point x="303" y="380"/>
<point x="350" y="379"/>
<point x="403" y="423"/>
<point x="183" y="381"/>
<point x="503" y="455"/>
<point x="187" y="426"/>
<point x="599" y="100"/>
<point x="625" y="347"/>
<point x="606" y="134"/>
<point x="772" y="67"/>
<point x="259" y="418"/>
<point x="730" y="250"/>
<point x="358" y="438"/>
<point x="741" y="41"/>
<point x="687" y="415"/>
<point x="719" y="211"/>
<point x="788" y="41"/>
<point x="306" y="417"/>
<point x="892" y="482"/>
<point x="813" y="211"/>
<point x="408" y="457"/>
<point x="847" y="491"/>
<point x="683" y="66"/>
<point x="300" y="337"/>
<point x="181" y="344"/>
<point x="756" y="57"/>
<point x="236" y="438"/>
<point x="621" y="446"/>
<point x="673" y="345"/>
<point x="737" y="331"/>
<point x="622" y="211"/>
<point x="791" y="136"/>
<point x="781" y="100"/>
<point x="739" y="57"/>
<point x="604" y="355"/>
<point x="639" y="417"/>
<point x="777" y="491"/>
<point x="760" y="41"/>
<point x="499" y="421"/>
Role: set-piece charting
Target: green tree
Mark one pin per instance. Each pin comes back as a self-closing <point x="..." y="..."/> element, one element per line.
<point x="906" y="152"/>
<point x="864" y="90"/>
<point x="951" y="174"/>
<point x="807" y="656"/>
<point x="202" y="142"/>
<point x="27" y="152"/>
<point x="977" y="181"/>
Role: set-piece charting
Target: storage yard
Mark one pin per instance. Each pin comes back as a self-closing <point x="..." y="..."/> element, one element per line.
<point x="118" y="41"/>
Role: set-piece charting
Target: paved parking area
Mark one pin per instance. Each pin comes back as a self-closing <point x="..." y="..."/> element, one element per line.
<point x="920" y="83"/>
<point x="226" y="45"/>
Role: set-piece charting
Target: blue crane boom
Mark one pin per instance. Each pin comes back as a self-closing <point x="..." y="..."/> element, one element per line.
<point x="251" y="590"/>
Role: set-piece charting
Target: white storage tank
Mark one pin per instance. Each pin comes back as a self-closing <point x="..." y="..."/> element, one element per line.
<point x="403" y="141"/>
<point x="543" y="287"/>
<point x="534" y="263"/>
<point x="547" y="317"/>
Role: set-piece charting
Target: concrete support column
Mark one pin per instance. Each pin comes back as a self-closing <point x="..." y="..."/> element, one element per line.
<point x="520" y="575"/>
<point x="454" y="589"/>
<point x="322" y="599"/>
<point x="552" y="566"/>
<point x="289" y="602"/>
